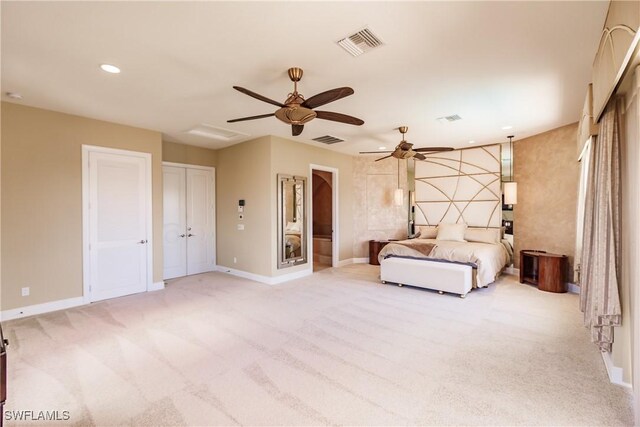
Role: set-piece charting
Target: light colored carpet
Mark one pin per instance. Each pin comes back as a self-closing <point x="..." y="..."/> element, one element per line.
<point x="335" y="348"/>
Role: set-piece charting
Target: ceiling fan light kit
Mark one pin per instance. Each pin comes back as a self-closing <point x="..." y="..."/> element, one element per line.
<point x="296" y="111"/>
<point x="405" y="150"/>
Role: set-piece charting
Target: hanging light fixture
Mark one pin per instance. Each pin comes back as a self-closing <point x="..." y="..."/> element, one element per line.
<point x="510" y="188"/>
<point x="398" y="194"/>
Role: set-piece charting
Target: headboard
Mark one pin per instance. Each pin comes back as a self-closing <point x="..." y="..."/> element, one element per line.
<point x="460" y="186"/>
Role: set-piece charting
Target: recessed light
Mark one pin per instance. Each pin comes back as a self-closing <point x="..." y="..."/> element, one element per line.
<point x="472" y="142"/>
<point x="507" y="127"/>
<point x="382" y="148"/>
<point x="13" y="95"/>
<point x="110" y="68"/>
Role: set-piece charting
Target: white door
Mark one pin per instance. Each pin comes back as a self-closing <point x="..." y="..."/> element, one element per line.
<point x="175" y="222"/>
<point x="189" y="221"/>
<point x="199" y="221"/>
<point x="119" y="226"/>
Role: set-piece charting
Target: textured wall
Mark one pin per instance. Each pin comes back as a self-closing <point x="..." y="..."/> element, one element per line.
<point x="375" y="215"/>
<point x="547" y="172"/>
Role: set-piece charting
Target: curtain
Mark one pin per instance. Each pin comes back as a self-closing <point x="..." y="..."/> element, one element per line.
<point x="600" y="272"/>
<point x="585" y="165"/>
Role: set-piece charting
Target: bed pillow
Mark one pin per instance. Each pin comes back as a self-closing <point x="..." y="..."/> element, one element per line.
<point x="427" y="232"/>
<point x="482" y="235"/>
<point x="453" y="232"/>
<point x="295" y="227"/>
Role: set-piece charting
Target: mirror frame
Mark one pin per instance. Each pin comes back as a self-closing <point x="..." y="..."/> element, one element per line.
<point x="283" y="262"/>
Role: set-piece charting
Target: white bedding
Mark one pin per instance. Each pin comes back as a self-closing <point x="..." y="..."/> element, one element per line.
<point x="489" y="258"/>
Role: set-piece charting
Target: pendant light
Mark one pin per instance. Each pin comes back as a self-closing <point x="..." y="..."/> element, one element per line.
<point x="510" y="187"/>
<point x="398" y="194"/>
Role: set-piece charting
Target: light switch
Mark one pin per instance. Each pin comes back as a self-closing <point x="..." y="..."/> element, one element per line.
<point x="240" y="209"/>
<point x="240" y="226"/>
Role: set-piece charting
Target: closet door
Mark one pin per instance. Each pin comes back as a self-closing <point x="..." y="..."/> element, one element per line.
<point x="175" y="222"/>
<point x="200" y="221"/>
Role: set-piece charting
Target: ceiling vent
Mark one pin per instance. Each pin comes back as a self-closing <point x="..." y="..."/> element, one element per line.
<point x="360" y="42"/>
<point x="328" y="139"/>
<point x="452" y="118"/>
<point x="213" y="132"/>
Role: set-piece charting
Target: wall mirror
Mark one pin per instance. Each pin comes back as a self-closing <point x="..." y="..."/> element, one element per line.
<point x="292" y="239"/>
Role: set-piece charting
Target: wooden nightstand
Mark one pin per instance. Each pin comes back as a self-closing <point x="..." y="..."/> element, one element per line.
<point x="375" y="246"/>
<point x="543" y="269"/>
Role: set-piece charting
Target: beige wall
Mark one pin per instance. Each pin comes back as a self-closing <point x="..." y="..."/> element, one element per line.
<point x="294" y="158"/>
<point x="243" y="172"/>
<point x="375" y="215"/>
<point x="547" y="172"/>
<point x="42" y="199"/>
<point x="188" y="154"/>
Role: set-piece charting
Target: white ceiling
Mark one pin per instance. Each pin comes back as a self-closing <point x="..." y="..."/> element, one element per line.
<point x="524" y="64"/>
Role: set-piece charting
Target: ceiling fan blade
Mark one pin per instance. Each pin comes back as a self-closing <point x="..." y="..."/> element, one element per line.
<point x="375" y="152"/>
<point x="419" y="156"/>
<point x="296" y="129"/>
<point x="434" y="149"/>
<point x="261" y="116"/>
<point x="338" y="117"/>
<point x="327" y="97"/>
<point x="258" y="96"/>
<point x="382" y="158"/>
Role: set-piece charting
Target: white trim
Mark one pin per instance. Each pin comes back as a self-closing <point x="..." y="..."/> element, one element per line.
<point x="156" y="286"/>
<point x="86" y="263"/>
<point x="512" y="271"/>
<point x="573" y="288"/>
<point x="46" y="307"/>
<point x="335" y="237"/>
<point x="187" y="165"/>
<point x="265" y="279"/>
<point x="348" y="261"/>
<point x="615" y="374"/>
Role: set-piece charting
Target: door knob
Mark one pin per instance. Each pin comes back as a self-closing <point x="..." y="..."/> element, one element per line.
<point x="190" y="235"/>
<point x="142" y="242"/>
<point x="182" y="235"/>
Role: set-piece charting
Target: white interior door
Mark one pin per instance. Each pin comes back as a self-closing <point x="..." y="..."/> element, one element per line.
<point x="119" y="198"/>
<point x="200" y="217"/>
<point x="175" y="221"/>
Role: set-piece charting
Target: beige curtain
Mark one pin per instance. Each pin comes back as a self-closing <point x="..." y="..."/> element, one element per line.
<point x="599" y="298"/>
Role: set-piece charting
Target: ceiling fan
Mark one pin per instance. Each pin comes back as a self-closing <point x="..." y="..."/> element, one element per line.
<point x="405" y="150"/>
<point x="297" y="111"/>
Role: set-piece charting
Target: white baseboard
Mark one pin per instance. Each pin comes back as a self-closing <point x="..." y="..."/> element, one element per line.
<point x="157" y="286"/>
<point x="348" y="261"/>
<point x="46" y="307"/>
<point x="265" y="279"/>
<point x="616" y="374"/>
<point x="512" y="271"/>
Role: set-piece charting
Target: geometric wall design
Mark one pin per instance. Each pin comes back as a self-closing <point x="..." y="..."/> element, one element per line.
<point x="460" y="186"/>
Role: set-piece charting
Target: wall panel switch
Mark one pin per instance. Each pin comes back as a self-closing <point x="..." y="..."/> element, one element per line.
<point x="240" y="226"/>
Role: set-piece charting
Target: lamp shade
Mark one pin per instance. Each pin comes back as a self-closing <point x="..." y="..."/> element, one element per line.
<point x="398" y="197"/>
<point x="510" y="193"/>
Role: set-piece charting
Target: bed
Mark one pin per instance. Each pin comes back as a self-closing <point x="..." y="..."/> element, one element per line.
<point x="449" y="266"/>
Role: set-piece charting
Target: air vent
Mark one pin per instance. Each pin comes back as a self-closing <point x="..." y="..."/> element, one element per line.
<point x="452" y="118"/>
<point x="328" y="139"/>
<point x="213" y="132"/>
<point x="360" y="42"/>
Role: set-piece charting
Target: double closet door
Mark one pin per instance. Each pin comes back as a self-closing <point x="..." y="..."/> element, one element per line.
<point x="189" y="220"/>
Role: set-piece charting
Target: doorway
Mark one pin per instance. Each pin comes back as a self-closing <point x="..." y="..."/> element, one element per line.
<point x="323" y="215"/>
<point x="117" y="222"/>
<point x="188" y="220"/>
